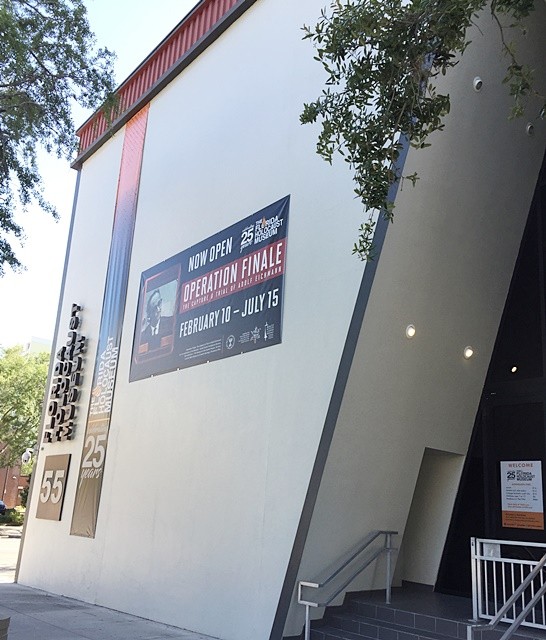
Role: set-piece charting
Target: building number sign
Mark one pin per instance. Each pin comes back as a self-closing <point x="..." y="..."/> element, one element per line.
<point x="51" y="496"/>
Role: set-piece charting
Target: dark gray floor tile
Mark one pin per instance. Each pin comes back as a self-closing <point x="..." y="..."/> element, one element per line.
<point x="425" y="623"/>
<point x="384" y="633"/>
<point x="447" y="627"/>
<point x="347" y="624"/>
<point x="385" y="614"/>
<point x="368" y="630"/>
<point x="404" y="618"/>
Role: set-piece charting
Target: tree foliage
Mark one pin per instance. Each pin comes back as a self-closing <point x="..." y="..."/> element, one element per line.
<point x="381" y="58"/>
<point x="22" y="386"/>
<point x="48" y="59"/>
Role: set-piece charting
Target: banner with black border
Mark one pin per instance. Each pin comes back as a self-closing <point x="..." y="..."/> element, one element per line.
<point x="219" y="298"/>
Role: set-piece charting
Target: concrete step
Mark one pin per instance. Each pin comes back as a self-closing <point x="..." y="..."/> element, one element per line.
<point x="361" y="618"/>
<point x="416" y="622"/>
<point x="416" y="613"/>
<point x="376" y="629"/>
<point x="346" y="625"/>
<point x="351" y="628"/>
<point x="331" y="633"/>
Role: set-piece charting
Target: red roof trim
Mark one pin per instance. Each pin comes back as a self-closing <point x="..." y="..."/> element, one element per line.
<point x="159" y="68"/>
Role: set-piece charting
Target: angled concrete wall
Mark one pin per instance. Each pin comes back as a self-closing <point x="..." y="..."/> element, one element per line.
<point x="445" y="267"/>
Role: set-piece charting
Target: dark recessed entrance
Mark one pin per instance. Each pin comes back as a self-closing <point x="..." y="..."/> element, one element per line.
<point x="511" y="420"/>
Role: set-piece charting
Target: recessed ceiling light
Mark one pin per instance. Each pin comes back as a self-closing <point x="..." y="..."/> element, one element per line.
<point x="513" y="369"/>
<point x="468" y="352"/>
<point x="410" y="331"/>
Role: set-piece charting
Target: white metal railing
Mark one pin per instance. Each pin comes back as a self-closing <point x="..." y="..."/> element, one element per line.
<point x="506" y="585"/>
<point x="324" y="599"/>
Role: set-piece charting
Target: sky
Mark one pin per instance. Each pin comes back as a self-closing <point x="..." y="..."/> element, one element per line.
<point x="131" y="28"/>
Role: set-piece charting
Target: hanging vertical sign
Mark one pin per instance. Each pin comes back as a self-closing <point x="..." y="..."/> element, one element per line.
<point x="86" y="505"/>
<point x="521" y="494"/>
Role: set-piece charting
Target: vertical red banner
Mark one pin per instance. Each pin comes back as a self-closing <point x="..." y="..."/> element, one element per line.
<point x="91" y="472"/>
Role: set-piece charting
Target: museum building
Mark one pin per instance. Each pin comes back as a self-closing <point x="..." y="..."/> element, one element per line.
<point x="235" y="401"/>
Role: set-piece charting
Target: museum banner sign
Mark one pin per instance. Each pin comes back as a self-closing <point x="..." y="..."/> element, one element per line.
<point x="219" y="298"/>
<point x="95" y="441"/>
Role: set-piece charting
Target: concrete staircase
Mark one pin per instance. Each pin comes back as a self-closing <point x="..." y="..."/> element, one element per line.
<point x="416" y="613"/>
<point x="359" y="619"/>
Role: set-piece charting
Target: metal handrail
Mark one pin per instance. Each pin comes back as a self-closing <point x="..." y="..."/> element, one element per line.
<point x="386" y="548"/>
<point x="511" y="602"/>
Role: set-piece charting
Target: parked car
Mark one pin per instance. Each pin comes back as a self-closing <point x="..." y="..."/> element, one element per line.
<point x="2" y="508"/>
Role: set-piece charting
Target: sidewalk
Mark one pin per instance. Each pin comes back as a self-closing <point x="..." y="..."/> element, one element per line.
<point x="10" y="538"/>
<point x="9" y="531"/>
<point x="37" y="615"/>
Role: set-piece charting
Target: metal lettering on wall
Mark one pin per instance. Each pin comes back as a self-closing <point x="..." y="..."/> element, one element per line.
<point x="65" y="388"/>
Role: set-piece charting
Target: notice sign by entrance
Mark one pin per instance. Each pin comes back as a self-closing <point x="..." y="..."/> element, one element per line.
<point x="522" y="499"/>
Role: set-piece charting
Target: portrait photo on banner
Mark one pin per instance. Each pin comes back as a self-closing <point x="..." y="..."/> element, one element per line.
<point x="157" y="310"/>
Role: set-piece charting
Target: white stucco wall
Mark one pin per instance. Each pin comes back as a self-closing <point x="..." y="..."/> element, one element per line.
<point x="445" y="267"/>
<point x="46" y="541"/>
<point x="429" y="516"/>
<point x="207" y="468"/>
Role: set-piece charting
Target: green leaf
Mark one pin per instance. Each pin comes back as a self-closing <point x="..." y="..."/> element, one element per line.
<point x="48" y="58"/>
<point x="381" y="59"/>
<point x="22" y="387"/>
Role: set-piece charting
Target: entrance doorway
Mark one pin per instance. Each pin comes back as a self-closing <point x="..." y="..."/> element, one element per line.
<point x="510" y="427"/>
<point x="429" y="516"/>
